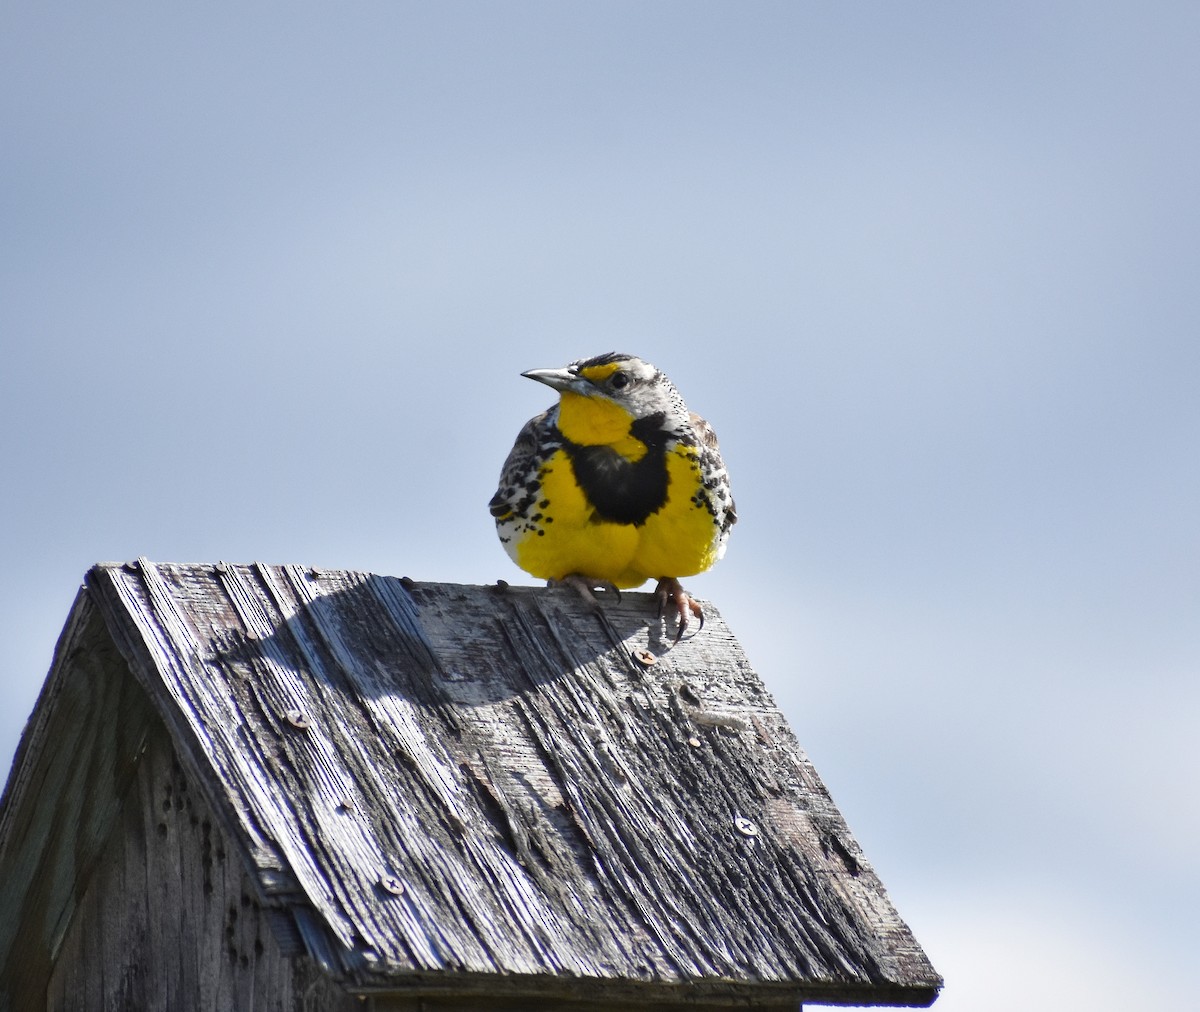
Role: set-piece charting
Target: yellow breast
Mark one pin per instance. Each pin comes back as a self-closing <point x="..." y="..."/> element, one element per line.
<point x="682" y="538"/>
<point x="679" y="539"/>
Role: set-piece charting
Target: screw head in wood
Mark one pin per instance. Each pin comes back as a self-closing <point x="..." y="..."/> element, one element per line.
<point x="298" y="719"/>
<point x="745" y="826"/>
<point x="391" y="884"/>
<point x="695" y="742"/>
<point x="644" y="657"/>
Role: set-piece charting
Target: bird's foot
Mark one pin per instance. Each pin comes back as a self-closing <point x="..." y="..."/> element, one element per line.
<point x="586" y="586"/>
<point x="669" y="590"/>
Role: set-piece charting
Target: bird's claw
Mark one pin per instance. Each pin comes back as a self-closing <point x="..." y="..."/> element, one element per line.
<point x="670" y="590"/>
<point x="586" y="586"/>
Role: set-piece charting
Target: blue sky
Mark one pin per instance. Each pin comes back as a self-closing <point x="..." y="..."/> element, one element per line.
<point x="269" y="275"/>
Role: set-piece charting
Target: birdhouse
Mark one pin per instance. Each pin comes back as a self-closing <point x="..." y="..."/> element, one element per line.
<point x="274" y="787"/>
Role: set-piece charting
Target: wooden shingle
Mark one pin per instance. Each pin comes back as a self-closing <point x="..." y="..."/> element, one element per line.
<point x="428" y="790"/>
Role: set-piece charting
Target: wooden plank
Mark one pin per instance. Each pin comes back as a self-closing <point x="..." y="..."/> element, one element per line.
<point x="76" y="760"/>
<point x="170" y="919"/>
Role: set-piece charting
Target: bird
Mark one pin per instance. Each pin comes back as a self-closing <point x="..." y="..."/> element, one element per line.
<point x="616" y="484"/>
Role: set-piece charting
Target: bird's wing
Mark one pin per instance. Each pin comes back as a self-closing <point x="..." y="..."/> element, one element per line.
<point x="704" y="433"/>
<point x="713" y="465"/>
<point x="536" y="441"/>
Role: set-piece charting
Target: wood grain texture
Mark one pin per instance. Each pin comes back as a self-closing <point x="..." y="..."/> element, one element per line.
<point x="75" y="761"/>
<point x="443" y="791"/>
<point x="169" y="920"/>
<point x="118" y="889"/>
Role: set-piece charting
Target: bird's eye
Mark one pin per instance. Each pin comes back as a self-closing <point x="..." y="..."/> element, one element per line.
<point x="619" y="380"/>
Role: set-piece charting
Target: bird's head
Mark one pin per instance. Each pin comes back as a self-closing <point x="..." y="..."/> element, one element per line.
<point x="602" y="397"/>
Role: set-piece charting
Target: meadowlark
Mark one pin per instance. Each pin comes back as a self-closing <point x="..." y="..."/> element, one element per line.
<point x="616" y="484"/>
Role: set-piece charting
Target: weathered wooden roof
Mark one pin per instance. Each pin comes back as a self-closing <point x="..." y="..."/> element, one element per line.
<point x="436" y="783"/>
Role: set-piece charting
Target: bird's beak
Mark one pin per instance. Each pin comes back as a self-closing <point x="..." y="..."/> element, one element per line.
<point x="563" y="380"/>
